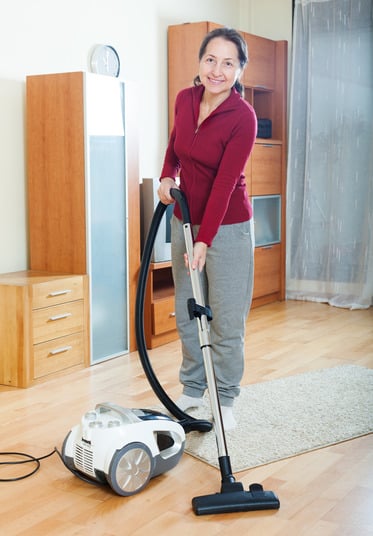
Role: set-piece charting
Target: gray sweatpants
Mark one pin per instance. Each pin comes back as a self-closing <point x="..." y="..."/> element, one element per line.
<point x="227" y="282"/>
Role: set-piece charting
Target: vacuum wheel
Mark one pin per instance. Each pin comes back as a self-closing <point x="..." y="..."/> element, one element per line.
<point x="130" y="469"/>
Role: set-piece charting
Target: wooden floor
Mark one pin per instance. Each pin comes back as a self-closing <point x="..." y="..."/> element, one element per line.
<point x="325" y="492"/>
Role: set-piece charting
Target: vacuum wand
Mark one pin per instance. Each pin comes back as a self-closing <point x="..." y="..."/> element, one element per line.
<point x="232" y="496"/>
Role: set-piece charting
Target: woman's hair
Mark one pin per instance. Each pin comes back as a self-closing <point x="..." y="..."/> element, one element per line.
<point x="229" y="34"/>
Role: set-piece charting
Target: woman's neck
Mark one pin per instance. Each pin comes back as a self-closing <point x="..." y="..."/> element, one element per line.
<point x="210" y="101"/>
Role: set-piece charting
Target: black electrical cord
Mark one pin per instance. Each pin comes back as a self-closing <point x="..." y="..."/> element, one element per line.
<point x="28" y="459"/>
<point x="36" y="460"/>
<point x="77" y="473"/>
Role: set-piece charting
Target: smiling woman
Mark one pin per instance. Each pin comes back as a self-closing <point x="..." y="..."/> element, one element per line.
<point x="211" y="140"/>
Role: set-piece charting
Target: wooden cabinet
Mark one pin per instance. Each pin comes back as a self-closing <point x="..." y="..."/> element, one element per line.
<point x="159" y="305"/>
<point x="83" y="195"/>
<point x="43" y="326"/>
<point x="266" y="170"/>
<point x="260" y="72"/>
<point x="265" y="82"/>
<point x="267" y="274"/>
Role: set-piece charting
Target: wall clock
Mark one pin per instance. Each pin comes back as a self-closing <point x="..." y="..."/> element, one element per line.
<point x="105" y="60"/>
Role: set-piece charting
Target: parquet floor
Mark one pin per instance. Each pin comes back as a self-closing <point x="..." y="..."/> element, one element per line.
<point x="328" y="492"/>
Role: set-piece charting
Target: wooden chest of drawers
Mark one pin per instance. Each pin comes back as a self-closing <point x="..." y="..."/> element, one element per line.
<point x="43" y="326"/>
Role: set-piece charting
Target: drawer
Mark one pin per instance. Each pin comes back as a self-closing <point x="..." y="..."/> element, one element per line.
<point x="267" y="270"/>
<point x="53" y="292"/>
<point x="163" y="316"/>
<point x="52" y="322"/>
<point x="59" y="354"/>
<point x="266" y="169"/>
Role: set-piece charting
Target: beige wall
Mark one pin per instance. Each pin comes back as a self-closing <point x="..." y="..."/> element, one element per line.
<point x="38" y="37"/>
<point x="268" y="18"/>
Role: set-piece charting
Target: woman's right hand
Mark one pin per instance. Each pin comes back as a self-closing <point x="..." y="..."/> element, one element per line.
<point x="163" y="191"/>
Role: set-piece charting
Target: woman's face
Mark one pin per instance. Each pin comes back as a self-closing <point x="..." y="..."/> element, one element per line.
<point x="219" y="67"/>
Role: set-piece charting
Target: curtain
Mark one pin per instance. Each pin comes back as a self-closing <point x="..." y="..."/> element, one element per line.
<point x="330" y="154"/>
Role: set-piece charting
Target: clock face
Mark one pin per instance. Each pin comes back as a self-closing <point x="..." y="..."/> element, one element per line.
<point x="105" y="60"/>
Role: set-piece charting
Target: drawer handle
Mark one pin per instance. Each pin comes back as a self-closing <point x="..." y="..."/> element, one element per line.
<point x="59" y="292"/>
<point x="60" y="350"/>
<point x="59" y="317"/>
<point x="172" y="315"/>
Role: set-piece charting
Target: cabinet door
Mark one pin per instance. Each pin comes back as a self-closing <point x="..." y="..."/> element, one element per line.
<point x="55" y="172"/>
<point x="267" y="274"/>
<point x="108" y="247"/>
<point x="266" y="169"/>
<point x="260" y="71"/>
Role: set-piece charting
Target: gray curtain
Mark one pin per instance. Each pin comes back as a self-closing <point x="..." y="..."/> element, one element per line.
<point x="330" y="159"/>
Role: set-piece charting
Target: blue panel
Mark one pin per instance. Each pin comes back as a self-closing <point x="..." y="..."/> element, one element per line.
<point x="108" y="258"/>
<point x="267" y="219"/>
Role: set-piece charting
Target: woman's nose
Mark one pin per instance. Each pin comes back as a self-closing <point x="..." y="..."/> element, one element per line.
<point x="217" y="69"/>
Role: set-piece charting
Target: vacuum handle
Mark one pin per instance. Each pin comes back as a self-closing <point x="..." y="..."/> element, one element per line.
<point x="179" y="196"/>
<point x="204" y="333"/>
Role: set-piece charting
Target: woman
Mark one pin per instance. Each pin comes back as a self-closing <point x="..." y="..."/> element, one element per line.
<point x="213" y="135"/>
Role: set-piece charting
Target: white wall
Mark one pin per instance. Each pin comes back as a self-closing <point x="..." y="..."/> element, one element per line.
<point x="43" y="36"/>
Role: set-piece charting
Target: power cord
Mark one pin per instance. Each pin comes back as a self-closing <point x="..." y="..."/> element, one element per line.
<point x="29" y="459"/>
<point x="36" y="461"/>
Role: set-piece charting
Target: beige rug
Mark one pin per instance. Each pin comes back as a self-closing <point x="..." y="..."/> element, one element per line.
<point x="281" y="418"/>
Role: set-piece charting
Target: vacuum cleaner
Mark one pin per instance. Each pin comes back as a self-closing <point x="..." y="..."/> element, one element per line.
<point x="122" y="447"/>
<point x="232" y="496"/>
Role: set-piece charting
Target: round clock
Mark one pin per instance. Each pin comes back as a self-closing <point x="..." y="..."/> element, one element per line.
<point x="105" y="60"/>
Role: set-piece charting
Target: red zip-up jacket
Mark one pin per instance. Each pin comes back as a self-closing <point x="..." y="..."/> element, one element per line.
<point x="210" y="160"/>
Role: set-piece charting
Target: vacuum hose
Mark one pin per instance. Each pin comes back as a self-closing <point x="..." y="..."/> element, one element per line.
<point x="187" y="422"/>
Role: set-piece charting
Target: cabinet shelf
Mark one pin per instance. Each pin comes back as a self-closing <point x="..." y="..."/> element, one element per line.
<point x="163" y="286"/>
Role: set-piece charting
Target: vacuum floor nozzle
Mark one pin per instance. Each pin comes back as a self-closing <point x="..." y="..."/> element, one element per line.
<point x="236" y="501"/>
